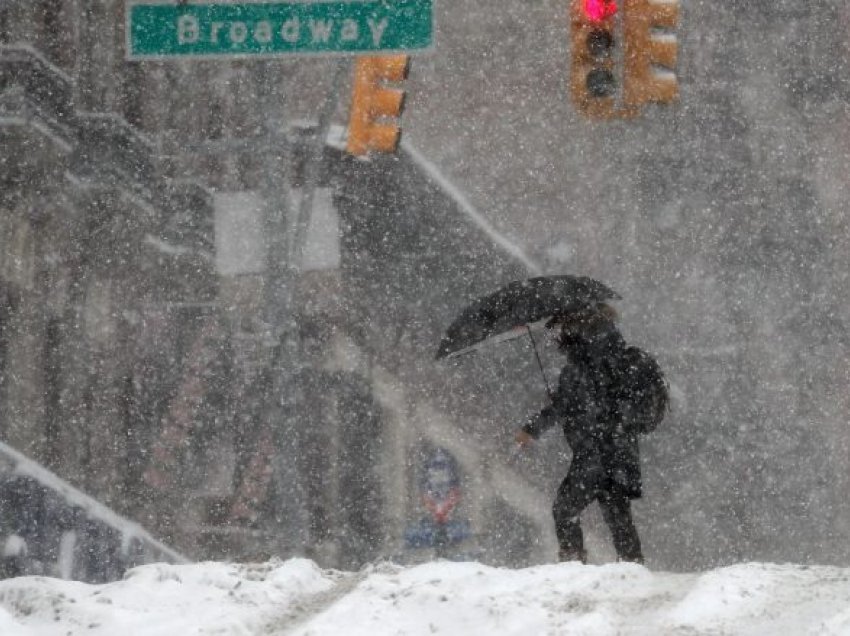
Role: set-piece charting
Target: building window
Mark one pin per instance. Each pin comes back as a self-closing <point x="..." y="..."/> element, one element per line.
<point x="133" y="88"/>
<point x="6" y="311"/>
<point x="4" y="23"/>
<point x="52" y="370"/>
<point x="53" y="44"/>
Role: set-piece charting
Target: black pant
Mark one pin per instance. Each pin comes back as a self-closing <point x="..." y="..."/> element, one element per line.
<point x="574" y="495"/>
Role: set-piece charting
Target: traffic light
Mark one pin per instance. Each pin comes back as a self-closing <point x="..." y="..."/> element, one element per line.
<point x="374" y="105"/>
<point x="650" y="52"/>
<point x="593" y="82"/>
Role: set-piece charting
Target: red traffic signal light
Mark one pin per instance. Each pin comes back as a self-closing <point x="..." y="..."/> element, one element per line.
<point x="599" y="10"/>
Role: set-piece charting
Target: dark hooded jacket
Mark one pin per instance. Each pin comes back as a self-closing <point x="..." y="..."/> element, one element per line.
<point x="608" y="395"/>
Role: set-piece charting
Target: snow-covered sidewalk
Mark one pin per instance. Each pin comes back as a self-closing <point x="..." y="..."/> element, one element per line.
<point x="297" y="597"/>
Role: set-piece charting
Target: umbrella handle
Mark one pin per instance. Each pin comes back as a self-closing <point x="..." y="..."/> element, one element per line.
<point x="539" y="363"/>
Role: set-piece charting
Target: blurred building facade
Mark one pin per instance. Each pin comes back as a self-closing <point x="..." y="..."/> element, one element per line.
<point x="141" y="356"/>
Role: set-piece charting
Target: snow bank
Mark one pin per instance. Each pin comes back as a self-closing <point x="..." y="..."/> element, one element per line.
<point x="297" y="597"/>
<point x="161" y="600"/>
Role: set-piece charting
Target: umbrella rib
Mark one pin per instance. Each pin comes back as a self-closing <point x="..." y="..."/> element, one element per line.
<point x="539" y="362"/>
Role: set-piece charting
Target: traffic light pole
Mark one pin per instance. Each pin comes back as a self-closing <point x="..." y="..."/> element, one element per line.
<point x="278" y="448"/>
<point x="286" y="248"/>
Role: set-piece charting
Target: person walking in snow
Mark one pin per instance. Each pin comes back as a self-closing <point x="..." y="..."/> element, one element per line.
<point x="607" y="395"/>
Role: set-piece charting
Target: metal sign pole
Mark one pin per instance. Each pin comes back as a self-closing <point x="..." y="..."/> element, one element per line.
<point x="287" y="364"/>
<point x="281" y="328"/>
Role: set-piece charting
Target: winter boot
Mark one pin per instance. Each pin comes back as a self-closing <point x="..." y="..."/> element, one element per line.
<point x="572" y="554"/>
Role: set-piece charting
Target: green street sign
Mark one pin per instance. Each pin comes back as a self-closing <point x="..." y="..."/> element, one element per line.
<point x="195" y="28"/>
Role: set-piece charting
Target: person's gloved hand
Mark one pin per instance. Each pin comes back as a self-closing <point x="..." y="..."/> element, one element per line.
<point x="523" y="439"/>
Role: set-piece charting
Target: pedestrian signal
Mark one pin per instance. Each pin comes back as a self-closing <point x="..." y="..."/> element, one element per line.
<point x="375" y="108"/>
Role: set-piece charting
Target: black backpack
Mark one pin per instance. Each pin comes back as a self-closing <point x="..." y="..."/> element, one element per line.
<point x="646" y="396"/>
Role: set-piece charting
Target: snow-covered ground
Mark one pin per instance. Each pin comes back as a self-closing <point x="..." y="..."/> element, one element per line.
<point x="297" y="597"/>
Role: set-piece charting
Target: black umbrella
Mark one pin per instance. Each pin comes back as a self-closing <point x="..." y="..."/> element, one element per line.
<point x="514" y="309"/>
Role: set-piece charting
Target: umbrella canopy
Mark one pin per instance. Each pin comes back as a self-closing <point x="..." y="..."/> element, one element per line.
<point x="512" y="310"/>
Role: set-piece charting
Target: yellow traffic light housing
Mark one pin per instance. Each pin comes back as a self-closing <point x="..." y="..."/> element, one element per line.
<point x="650" y="52"/>
<point x="374" y="105"/>
<point x="593" y="83"/>
<point x="609" y="79"/>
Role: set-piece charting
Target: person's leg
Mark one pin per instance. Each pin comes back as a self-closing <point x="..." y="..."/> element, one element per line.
<point x="573" y="496"/>
<point x="617" y="512"/>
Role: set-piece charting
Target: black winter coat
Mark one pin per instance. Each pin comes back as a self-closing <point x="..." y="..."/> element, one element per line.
<point x="606" y="397"/>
